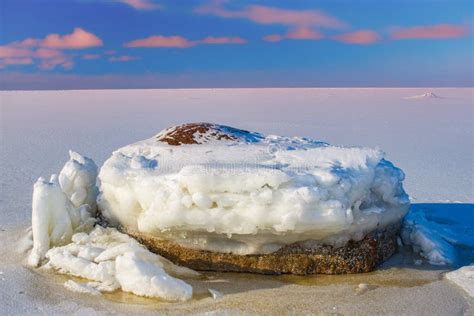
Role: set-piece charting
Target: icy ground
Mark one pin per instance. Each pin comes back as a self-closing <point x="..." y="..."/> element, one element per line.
<point x="431" y="139"/>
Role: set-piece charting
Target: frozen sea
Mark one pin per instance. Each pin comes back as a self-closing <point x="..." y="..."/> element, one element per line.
<point x="430" y="138"/>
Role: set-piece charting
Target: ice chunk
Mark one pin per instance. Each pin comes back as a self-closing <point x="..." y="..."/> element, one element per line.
<point x="62" y="206"/>
<point x="51" y="223"/>
<point x="146" y="278"/>
<point x="427" y="238"/>
<point x="216" y="294"/>
<point x="84" y="288"/>
<point x="113" y="260"/>
<point x="78" y="180"/>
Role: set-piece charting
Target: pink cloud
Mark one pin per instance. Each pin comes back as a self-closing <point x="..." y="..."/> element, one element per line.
<point x="301" y="33"/>
<point x="223" y="40"/>
<point x="29" y="42"/>
<point x="123" y="58"/>
<point x="181" y="42"/>
<point x="304" y="33"/>
<point x="15" y="61"/>
<point x="12" y="51"/>
<point x="141" y="4"/>
<point x="51" y="63"/>
<point x="271" y="15"/>
<point x="110" y="52"/>
<point x="90" y="56"/>
<point x="273" y="38"/>
<point x="78" y="39"/>
<point x="48" y="53"/>
<point x="52" y="58"/>
<point x="430" y="32"/>
<point x="48" y="58"/>
<point x="161" y="41"/>
<point x="45" y="53"/>
<point x="361" y="37"/>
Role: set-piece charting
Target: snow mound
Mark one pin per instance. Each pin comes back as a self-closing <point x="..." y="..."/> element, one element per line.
<point x="428" y="95"/>
<point x="242" y="192"/>
<point x="464" y="278"/>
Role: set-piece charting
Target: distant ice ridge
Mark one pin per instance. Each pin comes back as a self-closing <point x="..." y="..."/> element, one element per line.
<point x="250" y="194"/>
<point x="428" y="95"/>
<point x="64" y="239"/>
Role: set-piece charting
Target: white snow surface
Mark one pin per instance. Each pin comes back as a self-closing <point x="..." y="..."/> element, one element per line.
<point x="464" y="278"/>
<point x="252" y="195"/>
<point x="432" y="142"/>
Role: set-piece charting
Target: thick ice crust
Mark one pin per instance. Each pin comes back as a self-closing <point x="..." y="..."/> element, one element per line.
<point x="211" y="187"/>
<point x="298" y="258"/>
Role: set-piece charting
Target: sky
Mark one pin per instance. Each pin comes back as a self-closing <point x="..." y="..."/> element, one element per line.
<point x="94" y="44"/>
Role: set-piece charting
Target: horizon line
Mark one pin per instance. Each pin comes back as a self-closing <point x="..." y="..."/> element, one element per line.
<point x="234" y="88"/>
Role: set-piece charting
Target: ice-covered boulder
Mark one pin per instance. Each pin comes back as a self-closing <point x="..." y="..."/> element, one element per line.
<point x="216" y="195"/>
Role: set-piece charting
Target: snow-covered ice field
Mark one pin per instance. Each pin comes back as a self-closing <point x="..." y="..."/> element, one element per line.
<point x="428" y="135"/>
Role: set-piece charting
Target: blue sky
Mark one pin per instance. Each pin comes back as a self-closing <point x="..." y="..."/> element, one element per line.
<point x="73" y="44"/>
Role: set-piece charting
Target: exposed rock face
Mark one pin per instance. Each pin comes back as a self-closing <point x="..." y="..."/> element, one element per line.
<point x="354" y="257"/>
<point x="200" y="133"/>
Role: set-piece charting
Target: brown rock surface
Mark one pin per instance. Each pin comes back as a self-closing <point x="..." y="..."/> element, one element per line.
<point x="198" y="133"/>
<point x="354" y="257"/>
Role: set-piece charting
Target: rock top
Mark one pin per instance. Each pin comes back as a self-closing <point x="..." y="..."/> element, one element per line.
<point x="201" y="133"/>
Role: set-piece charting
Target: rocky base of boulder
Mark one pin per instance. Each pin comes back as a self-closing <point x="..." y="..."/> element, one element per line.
<point x="354" y="257"/>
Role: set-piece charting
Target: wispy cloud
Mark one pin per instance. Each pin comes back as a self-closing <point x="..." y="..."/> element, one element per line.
<point x="48" y="52"/>
<point x="123" y="58"/>
<point x="304" y="33"/>
<point x="273" y="38"/>
<point x="12" y="51"/>
<point x="161" y="41"/>
<point x="223" y="40"/>
<point x="4" y="62"/>
<point x="301" y="33"/>
<point x="141" y="4"/>
<point x="438" y="31"/>
<point x="271" y="15"/>
<point x="90" y="56"/>
<point x="362" y="37"/>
